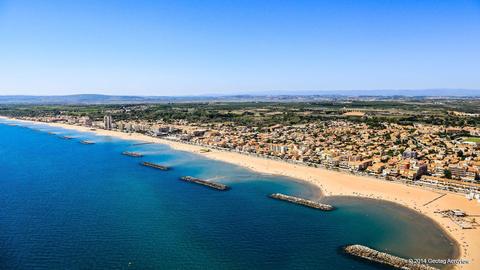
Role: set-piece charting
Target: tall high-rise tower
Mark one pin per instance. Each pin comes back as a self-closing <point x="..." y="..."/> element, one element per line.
<point x="107" y="121"/>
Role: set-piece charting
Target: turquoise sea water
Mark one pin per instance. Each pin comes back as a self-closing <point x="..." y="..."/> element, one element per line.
<point x="65" y="205"/>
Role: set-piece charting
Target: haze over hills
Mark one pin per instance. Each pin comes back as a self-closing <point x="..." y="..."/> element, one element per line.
<point x="245" y="96"/>
<point x="382" y="92"/>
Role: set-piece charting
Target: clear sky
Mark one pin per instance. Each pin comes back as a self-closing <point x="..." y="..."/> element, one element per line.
<point x="199" y="47"/>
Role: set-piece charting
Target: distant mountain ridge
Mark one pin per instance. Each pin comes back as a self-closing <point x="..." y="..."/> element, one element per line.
<point x="257" y="96"/>
<point x="80" y="99"/>
<point x="383" y="92"/>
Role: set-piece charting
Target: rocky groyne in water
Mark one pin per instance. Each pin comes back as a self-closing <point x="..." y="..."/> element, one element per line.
<point x="209" y="184"/>
<point x="154" y="165"/>
<point x="301" y="201"/>
<point x="384" y="258"/>
<point x="132" y="154"/>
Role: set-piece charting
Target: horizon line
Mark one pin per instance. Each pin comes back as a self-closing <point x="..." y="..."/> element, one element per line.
<point x="343" y="92"/>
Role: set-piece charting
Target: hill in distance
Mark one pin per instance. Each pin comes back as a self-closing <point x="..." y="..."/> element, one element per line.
<point x="258" y="96"/>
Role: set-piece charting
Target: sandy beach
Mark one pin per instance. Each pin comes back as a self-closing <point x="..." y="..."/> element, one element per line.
<point x="334" y="183"/>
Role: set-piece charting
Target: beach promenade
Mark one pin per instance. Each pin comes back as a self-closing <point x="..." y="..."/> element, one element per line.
<point x="332" y="183"/>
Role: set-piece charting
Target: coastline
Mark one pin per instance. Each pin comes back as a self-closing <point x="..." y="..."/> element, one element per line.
<point x="332" y="183"/>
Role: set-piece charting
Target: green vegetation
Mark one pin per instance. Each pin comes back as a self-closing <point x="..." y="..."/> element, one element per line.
<point x="447" y="173"/>
<point x="472" y="139"/>
<point x="263" y="114"/>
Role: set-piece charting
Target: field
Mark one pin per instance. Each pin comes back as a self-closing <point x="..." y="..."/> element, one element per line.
<point x="404" y="111"/>
<point x="472" y="139"/>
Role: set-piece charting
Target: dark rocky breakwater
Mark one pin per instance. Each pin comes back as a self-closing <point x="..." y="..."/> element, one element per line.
<point x="209" y="184"/>
<point x="156" y="166"/>
<point x="384" y="258"/>
<point x="301" y="201"/>
<point x="132" y="154"/>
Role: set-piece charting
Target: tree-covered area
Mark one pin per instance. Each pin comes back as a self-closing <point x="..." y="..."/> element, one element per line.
<point x="375" y="112"/>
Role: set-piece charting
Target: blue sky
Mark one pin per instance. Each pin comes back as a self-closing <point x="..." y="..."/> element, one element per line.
<point x="200" y="47"/>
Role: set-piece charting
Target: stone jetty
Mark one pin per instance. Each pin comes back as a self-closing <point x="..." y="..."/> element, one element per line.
<point x="301" y="201"/>
<point x="385" y="258"/>
<point x="209" y="184"/>
<point x="132" y="154"/>
<point x="143" y="143"/>
<point x="154" y="165"/>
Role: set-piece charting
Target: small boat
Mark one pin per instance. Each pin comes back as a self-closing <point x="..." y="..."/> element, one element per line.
<point x="67" y="137"/>
<point x="87" y="142"/>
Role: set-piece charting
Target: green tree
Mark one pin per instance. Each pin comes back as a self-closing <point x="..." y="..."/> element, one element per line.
<point x="447" y="173"/>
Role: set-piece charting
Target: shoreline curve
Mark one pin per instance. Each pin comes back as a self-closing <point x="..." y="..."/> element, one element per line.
<point x="332" y="183"/>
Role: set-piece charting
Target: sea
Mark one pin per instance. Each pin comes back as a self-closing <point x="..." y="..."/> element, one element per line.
<point x="67" y="205"/>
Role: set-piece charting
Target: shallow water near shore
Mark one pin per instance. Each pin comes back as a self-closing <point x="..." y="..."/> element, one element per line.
<point x="65" y="205"/>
